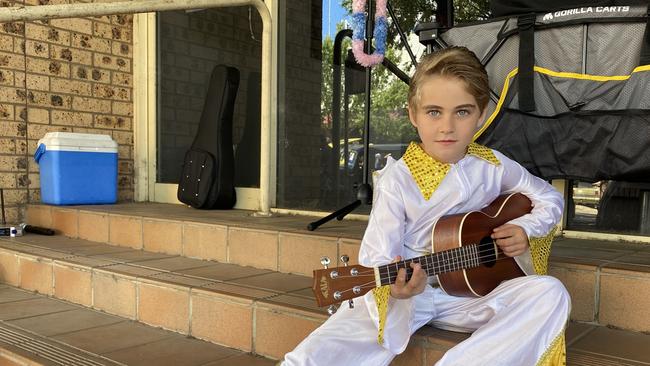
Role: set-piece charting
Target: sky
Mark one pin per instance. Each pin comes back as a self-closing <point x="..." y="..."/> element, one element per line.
<point x="333" y="12"/>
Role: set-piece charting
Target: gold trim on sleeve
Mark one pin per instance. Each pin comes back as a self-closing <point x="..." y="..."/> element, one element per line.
<point x="381" y="295"/>
<point x="540" y="249"/>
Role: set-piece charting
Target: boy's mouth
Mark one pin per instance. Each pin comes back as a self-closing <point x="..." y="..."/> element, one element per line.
<point x="446" y="142"/>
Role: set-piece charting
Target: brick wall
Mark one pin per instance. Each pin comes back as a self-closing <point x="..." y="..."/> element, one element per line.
<point x="72" y="75"/>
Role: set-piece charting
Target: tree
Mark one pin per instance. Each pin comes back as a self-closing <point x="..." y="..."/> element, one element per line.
<point x="411" y="12"/>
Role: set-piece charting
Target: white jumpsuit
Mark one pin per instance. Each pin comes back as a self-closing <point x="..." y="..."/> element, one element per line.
<point x="516" y="324"/>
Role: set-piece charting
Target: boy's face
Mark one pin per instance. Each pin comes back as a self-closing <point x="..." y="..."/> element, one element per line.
<point x="446" y="117"/>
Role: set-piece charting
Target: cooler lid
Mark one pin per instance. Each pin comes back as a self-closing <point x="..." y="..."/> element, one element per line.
<point x="71" y="141"/>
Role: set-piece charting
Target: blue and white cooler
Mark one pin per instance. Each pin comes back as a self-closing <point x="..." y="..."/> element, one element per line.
<point x="77" y="168"/>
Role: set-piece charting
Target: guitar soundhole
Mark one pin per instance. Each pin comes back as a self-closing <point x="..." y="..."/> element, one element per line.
<point x="486" y="251"/>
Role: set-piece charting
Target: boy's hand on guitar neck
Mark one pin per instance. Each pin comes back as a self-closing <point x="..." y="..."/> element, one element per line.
<point x="512" y="239"/>
<point x="403" y="289"/>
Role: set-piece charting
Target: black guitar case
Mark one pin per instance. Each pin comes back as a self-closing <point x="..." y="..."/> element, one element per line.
<point x="207" y="179"/>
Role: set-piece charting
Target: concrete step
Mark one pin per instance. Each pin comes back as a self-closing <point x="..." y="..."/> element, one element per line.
<point x="608" y="281"/>
<point x="279" y="243"/>
<point x="249" y="309"/>
<point x="587" y="345"/>
<point x="37" y="330"/>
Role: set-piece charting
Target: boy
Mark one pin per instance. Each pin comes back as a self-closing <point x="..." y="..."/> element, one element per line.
<point x="522" y="321"/>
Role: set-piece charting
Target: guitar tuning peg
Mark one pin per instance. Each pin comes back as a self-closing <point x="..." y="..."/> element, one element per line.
<point x="325" y="261"/>
<point x="351" y="303"/>
<point x="345" y="259"/>
<point x="331" y="309"/>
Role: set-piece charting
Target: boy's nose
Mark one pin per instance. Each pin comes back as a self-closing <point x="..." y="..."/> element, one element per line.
<point x="446" y="125"/>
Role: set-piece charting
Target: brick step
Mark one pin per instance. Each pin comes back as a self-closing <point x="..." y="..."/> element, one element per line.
<point x="253" y="310"/>
<point x="278" y="243"/>
<point x="608" y="281"/>
<point x="37" y="330"/>
<point x="587" y="345"/>
<point x="250" y="309"/>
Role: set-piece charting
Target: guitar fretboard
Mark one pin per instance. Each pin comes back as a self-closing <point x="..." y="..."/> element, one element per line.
<point x="465" y="257"/>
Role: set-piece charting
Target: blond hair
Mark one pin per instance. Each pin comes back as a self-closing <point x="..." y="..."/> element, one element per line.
<point x="458" y="62"/>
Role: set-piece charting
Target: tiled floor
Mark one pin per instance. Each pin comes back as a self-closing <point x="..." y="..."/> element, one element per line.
<point x="104" y="337"/>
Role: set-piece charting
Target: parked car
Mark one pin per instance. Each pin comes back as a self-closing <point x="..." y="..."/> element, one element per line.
<point x="353" y="165"/>
<point x="588" y="194"/>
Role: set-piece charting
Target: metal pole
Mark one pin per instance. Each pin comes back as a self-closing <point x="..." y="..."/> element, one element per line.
<point x="402" y="36"/>
<point x="336" y="108"/>
<point x="29" y="13"/>
<point x="366" y="129"/>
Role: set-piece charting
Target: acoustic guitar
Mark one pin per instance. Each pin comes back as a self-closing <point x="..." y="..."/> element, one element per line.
<point x="465" y="258"/>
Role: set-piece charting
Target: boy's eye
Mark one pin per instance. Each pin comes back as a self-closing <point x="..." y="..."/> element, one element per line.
<point x="433" y="112"/>
<point x="463" y="112"/>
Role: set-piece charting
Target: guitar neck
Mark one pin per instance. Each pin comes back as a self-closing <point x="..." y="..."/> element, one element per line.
<point x="465" y="257"/>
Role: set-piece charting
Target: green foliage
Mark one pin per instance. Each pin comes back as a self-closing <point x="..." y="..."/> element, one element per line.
<point x="412" y="12"/>
<point x="389" y="120"/>
<point x="470" y="11"/>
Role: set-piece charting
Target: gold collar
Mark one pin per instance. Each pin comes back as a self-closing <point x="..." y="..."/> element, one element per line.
<point x="428" y="172"/>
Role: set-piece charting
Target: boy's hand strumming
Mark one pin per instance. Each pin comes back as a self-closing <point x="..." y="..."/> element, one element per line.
<point x="512" y="239"/>
<point x="402" y="289"/>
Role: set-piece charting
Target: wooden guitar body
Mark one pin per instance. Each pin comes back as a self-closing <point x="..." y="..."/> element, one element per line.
<point x="474" y="227"/>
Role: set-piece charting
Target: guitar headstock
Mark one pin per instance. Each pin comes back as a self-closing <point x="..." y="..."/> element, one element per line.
<point x="333" y="285"/>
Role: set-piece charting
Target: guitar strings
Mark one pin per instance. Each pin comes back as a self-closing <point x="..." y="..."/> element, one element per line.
<point x="445" y="267"/>
<point x="464" y="259"/>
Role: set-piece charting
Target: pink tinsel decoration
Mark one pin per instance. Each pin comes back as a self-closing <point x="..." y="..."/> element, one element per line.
<point x="363" y="58"/>
<point x="381" y="8"/>
<point x="358" y="6"/>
